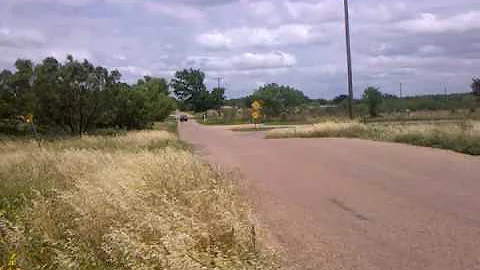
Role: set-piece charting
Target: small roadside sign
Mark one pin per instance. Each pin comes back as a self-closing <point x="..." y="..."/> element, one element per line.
<point x="256" y="111"/>
<point x="29" y="118"/>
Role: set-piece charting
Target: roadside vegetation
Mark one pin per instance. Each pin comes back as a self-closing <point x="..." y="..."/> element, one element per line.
<point x="93" y="176"/>
<point x="76" y="98"/>
<point x="285" y="105"/>
<point x="134" y="201"/>
<point x="463" y="137"/>
<point x="251" y="128"/>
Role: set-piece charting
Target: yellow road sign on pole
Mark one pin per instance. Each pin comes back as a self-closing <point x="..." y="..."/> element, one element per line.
<point x="29" y="118"/>
<point x="256" y="110"/>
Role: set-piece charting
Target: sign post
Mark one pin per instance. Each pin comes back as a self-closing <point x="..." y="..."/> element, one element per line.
<point x="256" y="111"/>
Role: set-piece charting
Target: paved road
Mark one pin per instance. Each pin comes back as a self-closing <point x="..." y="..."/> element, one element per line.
<point x="354" y="204"/>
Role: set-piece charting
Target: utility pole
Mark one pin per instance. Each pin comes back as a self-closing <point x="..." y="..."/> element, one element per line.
<point x="445" y="91"/>
<point x="401" y="90"/>
<point x="218" y="81"/>
<point x="349" y="61"/>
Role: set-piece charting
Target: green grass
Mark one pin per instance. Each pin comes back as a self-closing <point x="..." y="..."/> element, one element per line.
<point x="462" y="137"/>
<point x="214" y="121"/>
<point x="458" y="143"/>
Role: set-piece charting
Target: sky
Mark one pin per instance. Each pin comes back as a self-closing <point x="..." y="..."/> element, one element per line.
<point x="427" y="45"/>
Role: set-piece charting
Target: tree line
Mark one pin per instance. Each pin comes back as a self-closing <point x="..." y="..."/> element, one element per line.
<point x="282" y="99"/>
<point x="77" y="96"/>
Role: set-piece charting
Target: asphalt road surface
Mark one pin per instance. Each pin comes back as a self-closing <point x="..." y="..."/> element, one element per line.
<point x="355" y="204"/>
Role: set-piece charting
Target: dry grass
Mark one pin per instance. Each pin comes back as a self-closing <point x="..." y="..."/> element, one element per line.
<point x="463" y="137"/>
<point x="139" y="201"/>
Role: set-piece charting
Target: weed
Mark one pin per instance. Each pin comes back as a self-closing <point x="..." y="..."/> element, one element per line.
<point x="137" y="201"/>
<point x="463" y="137"/>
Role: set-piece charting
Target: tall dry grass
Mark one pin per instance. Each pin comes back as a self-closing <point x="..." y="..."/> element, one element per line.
<point x="463" y="137"/>
<point x="139" y="201"/>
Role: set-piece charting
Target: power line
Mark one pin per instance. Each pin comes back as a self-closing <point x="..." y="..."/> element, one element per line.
<point x="219" y="79"/>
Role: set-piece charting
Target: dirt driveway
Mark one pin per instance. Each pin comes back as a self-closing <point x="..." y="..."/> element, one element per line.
<point x="354" y="204"/>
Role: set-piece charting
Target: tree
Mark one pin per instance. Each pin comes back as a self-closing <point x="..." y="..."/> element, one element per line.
<point x="339" y="99"/>
<point x="158" y="103"/>
<point x="78" y="96"/>
<point x="153" y="84"/>
<point x="278" y="99"/>
<point x="21" y="85"/>
<point x="217" y="97"/>
<point x="189" y="87"/>
<point x="48" y="90"/>
<point x="476" y="88"/>
<point x="373" y="97"/>
<point x="7" y="97"/>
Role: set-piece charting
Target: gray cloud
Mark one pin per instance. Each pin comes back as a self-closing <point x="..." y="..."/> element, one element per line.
<point x="424" y="44"/>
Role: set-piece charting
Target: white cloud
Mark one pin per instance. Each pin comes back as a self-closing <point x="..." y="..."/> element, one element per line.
<point x="74" y="3"/>
<point x="61" y="54"/>
<point x="245" y="61"/>
<point x="21" y="37"/>
<point x="134" y="70"/>
<point x="261" y="36"/>
<point x="430" y="49"/>
<point x="431" y="23"/>
<point x="262" y="8"/>
<point x="120" y="57"/>
<point x="383" y="12"/>
<point x="274" y="59"/>
<point x="214" y="40"/>
<point x="179" y="11"/>
<point x="326" y="10"/>
<point x="266" y="11"/>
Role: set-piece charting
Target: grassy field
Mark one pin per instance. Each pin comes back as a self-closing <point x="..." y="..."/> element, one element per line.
<point x="136" y="201"/>
<point x="463" y="137"/>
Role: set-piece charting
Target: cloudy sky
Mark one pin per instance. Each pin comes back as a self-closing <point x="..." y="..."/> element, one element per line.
<point x="425" y="44"/>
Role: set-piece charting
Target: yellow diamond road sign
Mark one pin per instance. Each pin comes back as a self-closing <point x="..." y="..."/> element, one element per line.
<point x="256" y="110"/>
<point x="29" y="118"/>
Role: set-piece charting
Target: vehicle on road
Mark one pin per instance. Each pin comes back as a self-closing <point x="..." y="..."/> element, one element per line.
<point x="183" y="118"/>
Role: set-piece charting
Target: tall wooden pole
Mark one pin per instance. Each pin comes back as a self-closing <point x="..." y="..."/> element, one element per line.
<point x="349" y="62"/>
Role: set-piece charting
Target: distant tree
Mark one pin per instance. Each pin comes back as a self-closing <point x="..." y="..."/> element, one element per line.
<point x="389" y="96"/>
<point x="277" y="99"/>
<point x="217" y="98"/>
<point x="339" y="99"/>
<point x="476" y="88"/>
<point x="7" y="96"/>
<point x="189" y="87"/>
<point x="320" y="101"/>
<point x="238" y="102"/>
<point x="374" y="98"/>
